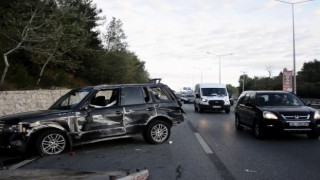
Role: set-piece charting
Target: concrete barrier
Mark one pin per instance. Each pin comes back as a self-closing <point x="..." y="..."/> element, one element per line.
<point x="21" y="101"/>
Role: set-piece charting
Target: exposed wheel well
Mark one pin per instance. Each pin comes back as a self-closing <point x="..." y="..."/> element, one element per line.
<point x="165" y="119"/>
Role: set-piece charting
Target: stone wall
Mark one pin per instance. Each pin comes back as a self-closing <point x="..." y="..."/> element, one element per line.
<point x="22" y="101"/>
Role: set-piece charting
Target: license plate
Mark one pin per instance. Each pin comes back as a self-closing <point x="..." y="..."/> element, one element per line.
<point x="297" y="124"/>
<point x="216" y="107"/>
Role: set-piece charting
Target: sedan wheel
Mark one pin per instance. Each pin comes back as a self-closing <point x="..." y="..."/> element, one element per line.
<point x="313" y="135"/>
<point x="238" y="123"/>
<point x="157" y="132"/>
<point x="51" y="142"/>
<point x="258" y="131"/>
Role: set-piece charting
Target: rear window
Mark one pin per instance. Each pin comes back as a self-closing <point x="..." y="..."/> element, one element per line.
<point x="133" y="95"/>
<point x="160" y="94"/>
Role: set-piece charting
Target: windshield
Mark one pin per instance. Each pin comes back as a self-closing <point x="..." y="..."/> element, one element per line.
<point x="278" y="99"/>
<point x="213" y="91"/>
<point x="70" y="100"/>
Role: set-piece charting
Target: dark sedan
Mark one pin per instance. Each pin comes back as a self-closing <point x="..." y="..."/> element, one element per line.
<point x="270" y="111"/>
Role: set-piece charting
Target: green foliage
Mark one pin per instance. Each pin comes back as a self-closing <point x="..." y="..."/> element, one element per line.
<point x="308" y="81"/>
<point x="21" y="76"/>
<point x="61" y="46"/>
<point x="232" y="90"/>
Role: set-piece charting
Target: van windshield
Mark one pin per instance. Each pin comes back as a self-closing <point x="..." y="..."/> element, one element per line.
<point x="214" y="92"/>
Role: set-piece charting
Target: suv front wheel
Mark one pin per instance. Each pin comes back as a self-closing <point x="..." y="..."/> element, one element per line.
<point x="51" y="142"/>
<point x="157" y="132"/>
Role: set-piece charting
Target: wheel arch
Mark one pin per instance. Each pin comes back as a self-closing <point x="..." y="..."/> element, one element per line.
<point x="34" y="134"/>
<point x="161" y="118"/>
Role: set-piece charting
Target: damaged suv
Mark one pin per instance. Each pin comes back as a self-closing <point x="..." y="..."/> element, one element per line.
<point x="95" y="113"/>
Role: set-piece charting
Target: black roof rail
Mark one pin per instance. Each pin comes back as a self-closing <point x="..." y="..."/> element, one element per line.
<point x="155" y="80"/>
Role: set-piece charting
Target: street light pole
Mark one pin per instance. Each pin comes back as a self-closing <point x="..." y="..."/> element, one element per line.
<point x="244" y="72"/>
<point x="294" y="43"/>
<point x="201" y="69"/>
<point x="220" y="62"/>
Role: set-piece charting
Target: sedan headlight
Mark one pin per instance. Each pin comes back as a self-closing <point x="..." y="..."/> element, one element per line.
<point x="269" y="115"/>
<point x="316" y="115"/>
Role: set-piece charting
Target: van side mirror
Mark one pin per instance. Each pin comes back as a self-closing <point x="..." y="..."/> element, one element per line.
<point x="197" y="95"/>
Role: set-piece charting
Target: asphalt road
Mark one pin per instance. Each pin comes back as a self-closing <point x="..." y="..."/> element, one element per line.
<point x="205" y="146"/>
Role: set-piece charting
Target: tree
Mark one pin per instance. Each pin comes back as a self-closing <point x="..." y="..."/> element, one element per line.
<point x="23" y="27"/>
<point x="269" y="70"/>
<point x="114" y="38"/>
<point x="68" y="34"/>
<point x="308" y="80"/>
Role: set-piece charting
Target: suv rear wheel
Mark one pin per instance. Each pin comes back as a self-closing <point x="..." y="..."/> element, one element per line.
<point x="157" y="132"/>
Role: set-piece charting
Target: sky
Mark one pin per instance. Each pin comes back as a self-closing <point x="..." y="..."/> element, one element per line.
<point x="246" y="36"/>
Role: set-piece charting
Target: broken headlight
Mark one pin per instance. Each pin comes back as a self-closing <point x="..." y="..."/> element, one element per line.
<point x="11" y="128"/>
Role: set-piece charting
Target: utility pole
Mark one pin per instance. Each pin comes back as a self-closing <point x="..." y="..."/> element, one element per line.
<point x="244" y="72"/>
<point x="294" y="43"/>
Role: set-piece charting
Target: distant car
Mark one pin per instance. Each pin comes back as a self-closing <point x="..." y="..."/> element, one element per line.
<point x="95" y="113"/>
<point x="187" y="98"/>
<point x="276" y="111"/>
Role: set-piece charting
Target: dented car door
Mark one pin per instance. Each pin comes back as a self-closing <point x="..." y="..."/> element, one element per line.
<point x="104" y="116"/>
<point x="138" y="107"/>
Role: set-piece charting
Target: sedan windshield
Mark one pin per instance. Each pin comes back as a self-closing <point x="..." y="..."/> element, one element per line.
<point x="70" y="100"/>
<point x="278" y="99"/>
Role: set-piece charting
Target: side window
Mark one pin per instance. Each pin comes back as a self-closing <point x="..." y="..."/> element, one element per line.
<point x="74" y="98"/>
<point x="133" y="95"/>
<point x="160" y="94"/>
<point x="252" y="99"/>
<point x="106" y="98"/>
<point x="241" y="99"/>
<point x="246" y="99"/>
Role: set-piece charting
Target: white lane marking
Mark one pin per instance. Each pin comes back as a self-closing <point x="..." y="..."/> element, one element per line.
<point x="16" y="166"/>
<point x="204" y="145"/>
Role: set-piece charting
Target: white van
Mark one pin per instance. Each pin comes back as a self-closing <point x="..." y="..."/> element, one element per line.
<point x="211" y="96"/>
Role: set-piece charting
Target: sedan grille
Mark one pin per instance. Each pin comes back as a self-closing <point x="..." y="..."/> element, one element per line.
<point x="216" y="102"/>
<point x="296" y="117"/>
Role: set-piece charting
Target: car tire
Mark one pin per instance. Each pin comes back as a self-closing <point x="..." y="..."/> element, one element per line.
<point x="195" y="107"/>
<point x="237" y="124"/>
<point x="200" y="109"/>
<point x="227" y="110"/>
<point x="313" y="135"/>
<point x="51" y="142"/>
<point x="258" y="131"/>
<point x="157" y="132"/>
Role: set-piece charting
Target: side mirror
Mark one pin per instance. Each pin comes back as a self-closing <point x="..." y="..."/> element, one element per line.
<point x="248" y="104"/>
<point x="197" y="95"/>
